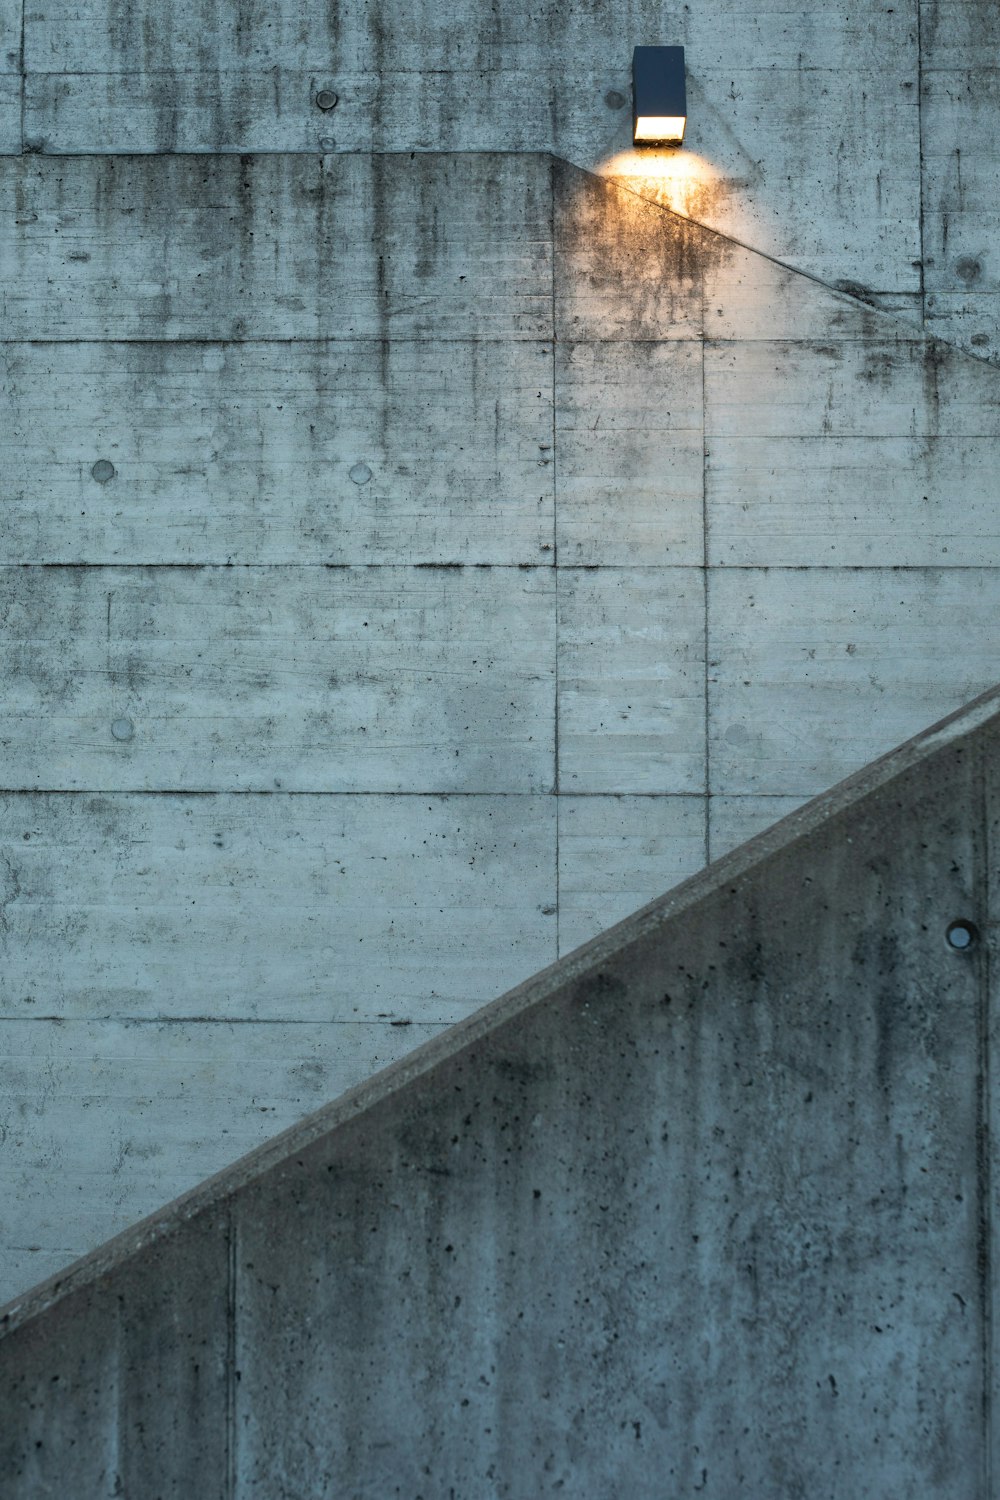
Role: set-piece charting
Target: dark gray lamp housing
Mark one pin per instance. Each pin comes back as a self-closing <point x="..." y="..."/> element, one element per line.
<point x="659" y="98"/>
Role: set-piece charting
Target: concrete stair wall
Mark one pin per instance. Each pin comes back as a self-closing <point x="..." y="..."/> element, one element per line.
<point x="487" y="548"/>
<point x="705" y="1207"/>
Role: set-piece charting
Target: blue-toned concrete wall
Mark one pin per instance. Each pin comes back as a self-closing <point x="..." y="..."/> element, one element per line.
<point x="421" y="545"/>
<point x="708" y="1207"/>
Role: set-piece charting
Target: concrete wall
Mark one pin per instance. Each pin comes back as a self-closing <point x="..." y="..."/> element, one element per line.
<point x="418" y="551"/>
<point x="707" y="1208"/>
<point x="856" y="143"/>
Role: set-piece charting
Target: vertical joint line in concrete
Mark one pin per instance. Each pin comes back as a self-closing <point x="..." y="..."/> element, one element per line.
<point x="985" y="1142"/>
<point x="552" y="325"/>
<point x="920" y="155"/>
<point x="555" y="535"/>
<point x="704" y="576"/>
<point x="20" y="68"/>
<point x="230" y="1371"/>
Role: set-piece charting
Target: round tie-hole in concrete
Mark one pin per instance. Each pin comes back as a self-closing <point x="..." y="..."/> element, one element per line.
<point x="360" y="474"/>
<point x="123" y="729"/>
<point x="326" y="99"/>
<point x="969" y="269"/>
<point x="614" y="100"/>
<point x="961" y="935"/>
<point x="103" y="470"/>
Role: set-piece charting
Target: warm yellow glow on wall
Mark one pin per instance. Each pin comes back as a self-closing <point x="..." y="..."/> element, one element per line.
<point x="682" y="181"/>
<point x="659" y="128"/>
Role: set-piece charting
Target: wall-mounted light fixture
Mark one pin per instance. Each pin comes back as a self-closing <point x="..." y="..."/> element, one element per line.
<point x="659" y="98"/>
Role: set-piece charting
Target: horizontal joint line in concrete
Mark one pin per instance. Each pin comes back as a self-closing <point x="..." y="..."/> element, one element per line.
<point x="49" y="1249"/>
<point x="96" y="791"/>
<point x="854" y="439"/>
<point x="733" y="796"/>
<point x="235" y="151"/>
<point x="472" y="69"/>
<point x="360" y="1020"/>
<point x="326" y="567"/>
<point x="541" y="568"/>
<point x="227" y="341"/>
<point x="170" y="791"/>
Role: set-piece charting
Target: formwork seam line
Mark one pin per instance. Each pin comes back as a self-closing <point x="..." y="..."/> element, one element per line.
<point x="230" y="1371"/>
<point x="985" y="1145"/>
<point x="706" y="574"/>
<point x="555" y="553"/>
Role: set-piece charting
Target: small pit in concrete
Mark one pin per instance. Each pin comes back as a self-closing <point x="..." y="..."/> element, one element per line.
<point x="961" y="935"/>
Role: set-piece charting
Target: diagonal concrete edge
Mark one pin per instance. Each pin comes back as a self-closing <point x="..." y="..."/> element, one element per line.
<point x="678" y="903"/>
<point x="851" y="298"/>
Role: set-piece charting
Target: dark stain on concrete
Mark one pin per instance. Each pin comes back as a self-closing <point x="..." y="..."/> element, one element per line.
<point x="625" y="265"/>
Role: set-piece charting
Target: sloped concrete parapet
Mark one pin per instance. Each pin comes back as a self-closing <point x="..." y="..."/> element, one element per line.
<point x="704" y="1207"/>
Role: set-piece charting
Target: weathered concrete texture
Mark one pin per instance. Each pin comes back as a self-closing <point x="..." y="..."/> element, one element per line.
<point x="151" y="1410"/>
<point x="866" y="388"/>
<point x="222" y="248"/>
<point x="631" y="446"/>
<point x="271" y="909"/>
<point x="705" y="1207"/>
<point x="86" y="1102"/>
<point x="626" y="268"/>
<point x="855" y="145"/>
<point x="774" y="97"/>
<point x="613" y="850"/>
<point x="786" y="485"/>
<point x="803" y="501"/>
<point x="792" y="646"/>
<point x="313" y="679"/>
<point x="734" y="820"/>
<point x="10" y="114"/>
<point x="10" y="39"/>
<point x="183" y="975"/>
<point x="567" y="401"/>
<point x="632" y="680"/>
<point x="960" y="97"/>
<point x="394" y="451"/>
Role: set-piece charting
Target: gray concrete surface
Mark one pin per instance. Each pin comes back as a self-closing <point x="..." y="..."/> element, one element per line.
<point x="856" y="144"/>
<point x="708" y="533"/>
<point x="707" y="1207"/>
<point x="411" y="563"/>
